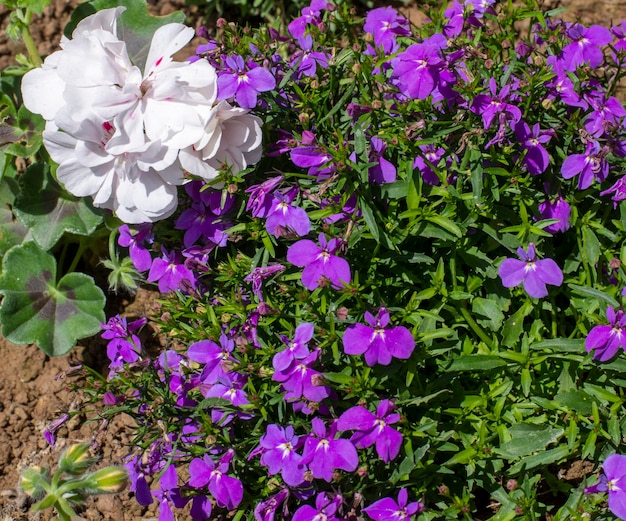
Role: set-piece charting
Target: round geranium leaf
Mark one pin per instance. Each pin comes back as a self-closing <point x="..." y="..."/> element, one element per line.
<point x="37" y="308"/>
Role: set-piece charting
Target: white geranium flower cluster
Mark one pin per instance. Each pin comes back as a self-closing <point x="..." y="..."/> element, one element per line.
<point x="128" y="138"/>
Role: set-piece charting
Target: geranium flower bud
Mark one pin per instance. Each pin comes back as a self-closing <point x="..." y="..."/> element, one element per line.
<point x="109" y="480"/>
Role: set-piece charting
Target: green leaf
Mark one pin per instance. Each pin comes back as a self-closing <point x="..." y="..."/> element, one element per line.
<point x="476" y="363"/>
<point x="135" y="26"/>
<point x="527" y="439"/>
<point x="594" y="293"/>
<point x="49" y="210"/>
<point x="12" y="232"/>
<point x="561" y="345"/>
<point x="541" y="459"/>
<point x="576" y="400"/>
<point x="491" y="310"/>
<point x="37" y="309"/>
<point x="513" y="327"/>
<point x="591" y="246"/>
<point x="446" y="224"/>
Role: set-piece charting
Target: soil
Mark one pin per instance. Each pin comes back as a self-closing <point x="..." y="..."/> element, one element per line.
<point x="33" y="387"/>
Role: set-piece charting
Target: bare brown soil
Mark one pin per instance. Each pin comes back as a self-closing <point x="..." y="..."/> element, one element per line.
<point x="31" y="392"/>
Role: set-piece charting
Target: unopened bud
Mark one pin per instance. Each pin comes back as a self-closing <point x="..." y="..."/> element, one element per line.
<point x="32" y="481"/>
<point x="547" y="103"/>
<point x="76" y="459"/>
<point x="109" y="480"/>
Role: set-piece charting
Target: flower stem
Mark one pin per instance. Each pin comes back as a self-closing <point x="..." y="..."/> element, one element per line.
<point x="27" y="38"/>
<point x="475" y="327"/>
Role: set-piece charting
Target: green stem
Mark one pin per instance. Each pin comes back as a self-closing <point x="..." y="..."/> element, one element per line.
<point x="27" y="38"/>
<point x="475" y="327"/>
<point x="77" y="257"/>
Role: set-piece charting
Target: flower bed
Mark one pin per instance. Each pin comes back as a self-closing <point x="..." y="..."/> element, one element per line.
<point x="389" y="252"/>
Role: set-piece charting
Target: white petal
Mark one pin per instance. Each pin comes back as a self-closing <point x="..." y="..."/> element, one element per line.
<point x="105" y="19"/>
<point x="167" y="40"/>
<point x="42" y="89"/>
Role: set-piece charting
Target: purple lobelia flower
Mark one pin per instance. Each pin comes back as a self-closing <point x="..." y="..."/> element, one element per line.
<point x="536" y="159"/>
<point x="613" y="481"/>
<point x="320" y="263"/>
<point x="388" y="509"/>
<point x="309" y="154"/>
<point x="562" y="86"/>
<point x="384" y="24"/>
<point x="383" y="171"/>
<point x="307" y="59"/>
<point x="619" y="31"/>
<point x="138" y="483"/>
<point x="167" y="493"/>
<point x="258" y="275"/>
<point x="214" y="357"/>
<point x="604" y="340"/>
<point x="283" y="217"/>
<point x="134" y="241"/>
<point x="373" y="429"/>
<point x="49" y="433"/>
<point x="592" y="164"/>
<point x="379" y="343"/>
<point x="606" y="116"/>
<point x="227" y="491"/>
<point x="171" y="273"/>
<point x="325" y="509"/>
<point x="260" y="200"/>
<point x="324" y="452"/>
<point x="557" y="208"/>
<point x="299" y="379"/>
<point x="266" y="510"/>
<point x="490" y="106"/>
<point x="534" y="273"/>
<point x="618" y="190"/>
<point x="586" y="46"/>
<point x="124" y="345"/>
<point x="278" y="446"/>
<point x="243" y="81"/>
<point x="431" y="157"/>
<point x="297" y="349"/>
<point x="309" y="15"/>
<point x="416" y="69"/>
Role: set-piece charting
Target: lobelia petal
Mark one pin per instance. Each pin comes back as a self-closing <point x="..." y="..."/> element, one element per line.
<point x="382" y="510"/>
<point x="312" y="275"/>
<point x="534" y="286"/>
<point x="617" y="503"/>
<point x="227" y="491"/>
<point x="356" y="418"/>
<point x="199" y="472"/>
<point x="400" y="342"/>
<point x="512" y="272"/>
<point x="549" y="272"/>
<point x="388" y="444"/>
<point x="345" y="456"/>
<point x="573" y="165"/>
<point x="378" y="352"/>
<point x="337" y="270"/>
<point x="303" y="253"/>
<point x="357" y="339"/>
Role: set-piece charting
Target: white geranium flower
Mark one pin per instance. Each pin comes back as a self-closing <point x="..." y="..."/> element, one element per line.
<point x="139" y="186"/>
<point x="125" y="137"/>
<point x="232" y="139"/>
